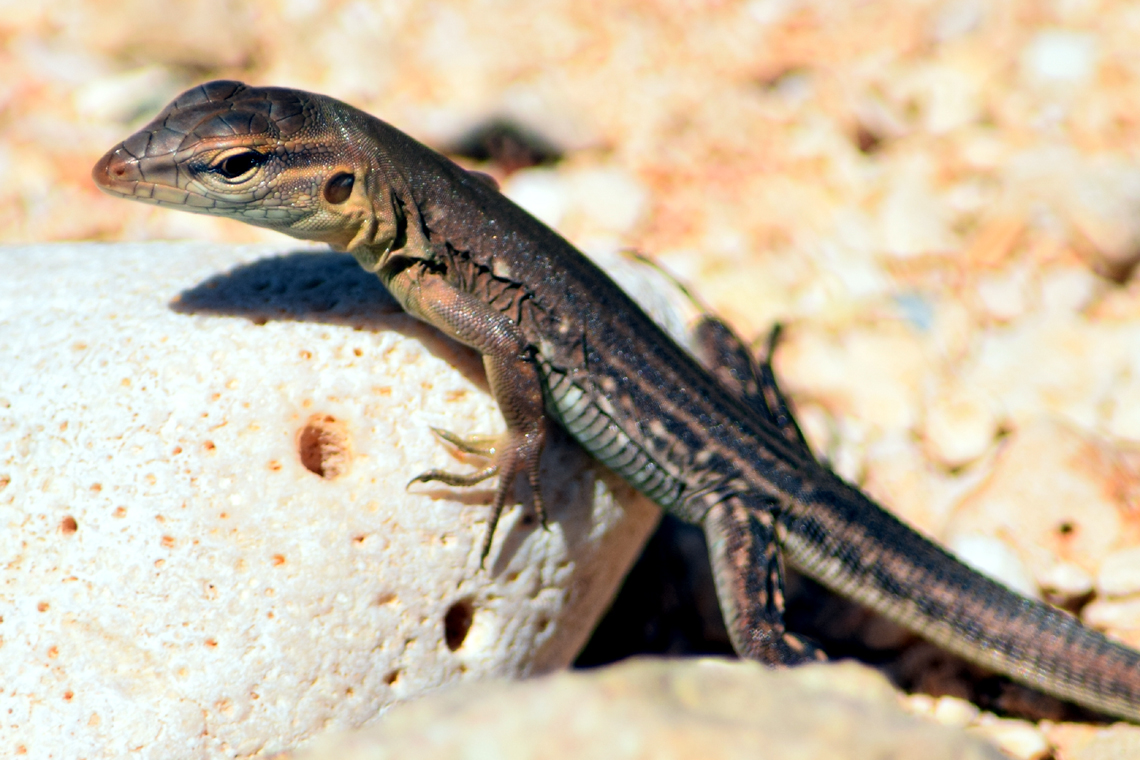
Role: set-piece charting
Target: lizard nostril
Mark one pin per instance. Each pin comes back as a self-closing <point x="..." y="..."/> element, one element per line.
<point x="112" y="170"/>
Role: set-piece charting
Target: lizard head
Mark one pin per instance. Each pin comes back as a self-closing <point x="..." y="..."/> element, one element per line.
<point x="267" y="156"/>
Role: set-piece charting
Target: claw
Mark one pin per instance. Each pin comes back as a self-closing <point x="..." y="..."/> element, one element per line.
<point x="510" y="456"/>
<point x="479" y="445"/>
<point x="455" y="479"/>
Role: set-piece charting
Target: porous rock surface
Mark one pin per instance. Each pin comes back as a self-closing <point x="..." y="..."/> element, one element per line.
<point x="207" y="546"/>
<point x="665" y="710"/>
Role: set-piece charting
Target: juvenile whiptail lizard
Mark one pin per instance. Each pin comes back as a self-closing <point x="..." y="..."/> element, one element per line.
<point x="713" y="446"/>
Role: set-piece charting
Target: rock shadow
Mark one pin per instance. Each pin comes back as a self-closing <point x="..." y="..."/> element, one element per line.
<point x="331" y="288"/>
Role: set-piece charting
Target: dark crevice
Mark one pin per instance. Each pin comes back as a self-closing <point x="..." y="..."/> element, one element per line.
<point x="507" y="144"/>
<point x="457" y="623"/>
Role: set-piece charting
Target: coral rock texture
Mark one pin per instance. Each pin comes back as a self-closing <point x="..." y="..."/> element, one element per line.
<point x="208" y="548"/>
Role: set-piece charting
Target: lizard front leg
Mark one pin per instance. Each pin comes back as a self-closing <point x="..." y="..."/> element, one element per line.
<point x="511" y="372"/>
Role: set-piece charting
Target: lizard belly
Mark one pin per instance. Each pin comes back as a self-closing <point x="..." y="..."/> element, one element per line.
<point x="581" y="412"/>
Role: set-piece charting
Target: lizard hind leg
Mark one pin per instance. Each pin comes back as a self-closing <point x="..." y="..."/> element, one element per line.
<point x="749" y="576"/>
<point x="774" y="398"/>
<point x="728" y="358"/>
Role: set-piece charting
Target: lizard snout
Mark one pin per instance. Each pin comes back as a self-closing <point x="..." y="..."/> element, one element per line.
<point x="117" y="172"/>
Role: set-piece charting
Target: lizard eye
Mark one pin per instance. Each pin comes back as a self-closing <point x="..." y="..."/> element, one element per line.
<point x="339" y="188"/>
<point x="237" y="165"/>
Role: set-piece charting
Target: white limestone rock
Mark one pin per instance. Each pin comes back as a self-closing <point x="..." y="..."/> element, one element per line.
<point x="651" y="708"/>
<point x="207" y="547"/>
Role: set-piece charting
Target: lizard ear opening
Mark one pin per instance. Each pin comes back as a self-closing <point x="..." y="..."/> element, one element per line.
<point x="339" y="188"/>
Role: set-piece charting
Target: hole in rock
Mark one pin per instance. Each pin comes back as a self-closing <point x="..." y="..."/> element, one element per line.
<point x="323" y="445"/>
<point x="457" y="623"/>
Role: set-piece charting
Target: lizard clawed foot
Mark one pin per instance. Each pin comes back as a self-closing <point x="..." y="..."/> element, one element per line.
<point x="769" y="642"/>
<point x="793" y="649"/>
<point x="483" y="446"/>
<point x="511" y="454"/>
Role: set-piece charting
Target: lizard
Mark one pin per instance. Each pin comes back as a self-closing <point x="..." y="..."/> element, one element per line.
<point x="710" y="440"/>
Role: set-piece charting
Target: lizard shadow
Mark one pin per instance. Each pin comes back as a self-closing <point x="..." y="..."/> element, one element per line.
<point x="331" y="288"/>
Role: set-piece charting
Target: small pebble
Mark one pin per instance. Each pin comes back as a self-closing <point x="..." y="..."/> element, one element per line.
<point x="961" y="424"/>
<point x="952" y="711"/>
<point x="1113" y="614"/>
<point x="1057" y="55"/>
<point x="610" y="198"/>
<point x="542" y="192"/>
<point x="1119" y="573"/>
<point x="1065" y="581"/>
<point x="1018" y="738"/>
<point x="992" y="557"/>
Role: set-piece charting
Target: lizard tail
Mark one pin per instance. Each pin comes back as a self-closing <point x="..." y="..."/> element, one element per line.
<point x="849" y="545"/>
